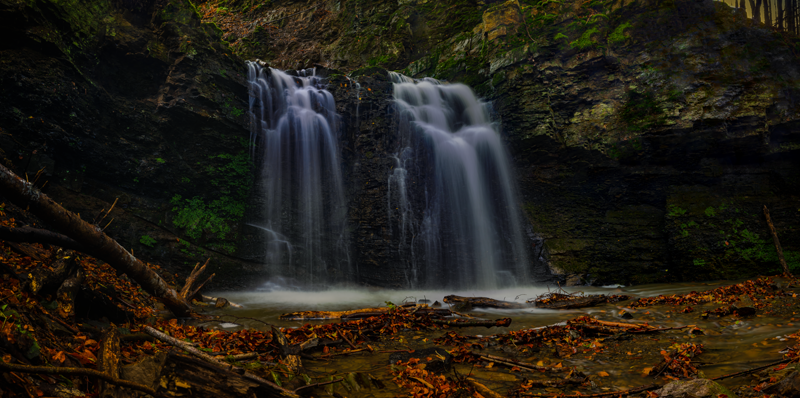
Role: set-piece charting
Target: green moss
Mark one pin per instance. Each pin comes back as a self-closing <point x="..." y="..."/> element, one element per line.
<point x="675" y="211"/>
<point x="618" y="34"/>
<point x="585" y="41"/>
<point x="147" y="241"/>
<point x="560" y="36"/>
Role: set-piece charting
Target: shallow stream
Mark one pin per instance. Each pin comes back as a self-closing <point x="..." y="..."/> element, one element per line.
<point x="731" y="344"/>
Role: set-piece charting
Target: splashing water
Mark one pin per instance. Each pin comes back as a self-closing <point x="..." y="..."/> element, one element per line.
<point x="295" y="136"/>
<point x="452" y="161"/>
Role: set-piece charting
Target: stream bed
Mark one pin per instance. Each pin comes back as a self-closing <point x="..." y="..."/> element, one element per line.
<point x="730" y="343"/>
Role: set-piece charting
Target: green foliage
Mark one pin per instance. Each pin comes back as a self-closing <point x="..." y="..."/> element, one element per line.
<point x="147" y="240"/>
<point x="230" y="174"/>
<point x="232" y="109"/>
<point x="699" y="262"/>
<point x="618" y="34"/>
<point x="675" y="211"/>
<point x="710" y="212"/>
<point x="585" y="41"/>
<point x="379" y="60"/>
<point x="159" y="160"/>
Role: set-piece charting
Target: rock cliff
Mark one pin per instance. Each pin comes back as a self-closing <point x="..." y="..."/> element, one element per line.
<point x="646" y="135"/>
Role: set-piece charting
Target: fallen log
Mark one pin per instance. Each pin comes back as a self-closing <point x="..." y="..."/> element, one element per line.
<point x="52" y="370"/>
<point x="462" y="323"/>
<point x="99" y="245"/>
<point x="484" y="302"/>
<point x="36" y="235"/>
<point x="572" y="302"/>
<point x="108" y="361"/>
<point x="290" y="359"/>
<point x="273" y="388"/>
<point x="183" y="375"/>
<point x="359" y="313"/>
<point x="316" y="315"/>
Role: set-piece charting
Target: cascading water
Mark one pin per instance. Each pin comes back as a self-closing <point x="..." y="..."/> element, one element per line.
<point x="303" y="216"/>
<point x="452" y="162"/>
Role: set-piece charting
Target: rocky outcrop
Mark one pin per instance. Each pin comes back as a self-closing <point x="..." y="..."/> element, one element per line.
<point x="138" y="101"/>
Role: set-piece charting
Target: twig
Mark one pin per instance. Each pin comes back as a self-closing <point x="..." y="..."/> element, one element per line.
<point x="338" y="329"/>
<point x="744" y="372"/>
<point x="78" y="371"/>
<point x="604" y="394"/>
<point x="243" y="317"/>
<point x="297" y="391"/>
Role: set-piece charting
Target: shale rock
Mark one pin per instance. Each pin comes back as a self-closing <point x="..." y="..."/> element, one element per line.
<point x="697" y="388"/>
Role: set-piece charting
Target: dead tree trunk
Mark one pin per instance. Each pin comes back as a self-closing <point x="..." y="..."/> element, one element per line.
<point x="777" y="242"/>
<point x="25" y="195"/>
<point x="36" y="235"/>
<point x="109" y="361"/>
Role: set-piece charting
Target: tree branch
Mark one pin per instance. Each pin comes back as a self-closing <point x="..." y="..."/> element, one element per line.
<point x="25" y="195"/>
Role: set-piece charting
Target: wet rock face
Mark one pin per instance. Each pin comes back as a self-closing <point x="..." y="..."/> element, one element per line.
<point x="132" y="103"/>
<point x="501" y="20"/>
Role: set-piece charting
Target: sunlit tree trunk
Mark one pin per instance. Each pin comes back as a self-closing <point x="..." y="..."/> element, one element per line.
<point x="768" y="13"/>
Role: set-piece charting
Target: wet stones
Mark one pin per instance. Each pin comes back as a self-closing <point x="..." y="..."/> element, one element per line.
<point x="697" y="388"/>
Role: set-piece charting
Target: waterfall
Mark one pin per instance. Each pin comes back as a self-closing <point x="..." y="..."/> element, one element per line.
<point x="452" y="162"/>
<point x="294" y="135"/>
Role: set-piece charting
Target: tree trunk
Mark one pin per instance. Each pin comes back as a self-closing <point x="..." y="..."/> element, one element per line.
<point x="779" y="20"/>
<point x="109" y="361"/>
<point x="485" y="302"/>
<point x="755" y="8"/>
<point x="790" y="16"/>
<point x="768" y="13"/>
<point x="25" y="195"/>
<point x="35" y="235"/>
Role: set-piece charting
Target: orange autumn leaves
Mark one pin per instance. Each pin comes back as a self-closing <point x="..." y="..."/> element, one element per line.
<point x="422" y="383"/>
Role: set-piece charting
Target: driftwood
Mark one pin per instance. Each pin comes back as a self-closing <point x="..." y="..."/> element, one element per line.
<point x="108" y="361"/>
<point x="52" y="370"/>
<point x="572" y="302"/>
<point x="215" y="299"/>
<point x="191" y="287"/>
<point x="360" y="313"/>
<point x="272" y="388"/>
<point x="291" y="360"/>
<point x="484" y="302"/>
<point x="462" y="323"/>
<point x="777" y="242"/>
<point x="25" y="195"/>
<point x="314" y="315"/>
